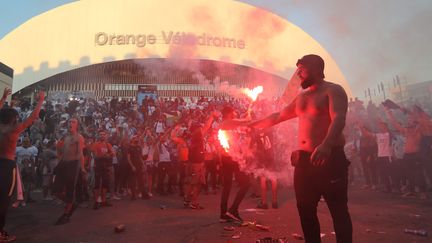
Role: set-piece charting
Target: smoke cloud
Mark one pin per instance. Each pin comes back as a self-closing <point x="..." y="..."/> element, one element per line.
<point x="370" y="41"/>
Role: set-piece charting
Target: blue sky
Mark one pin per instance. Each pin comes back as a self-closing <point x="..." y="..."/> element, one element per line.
<point x="372" y="41"/>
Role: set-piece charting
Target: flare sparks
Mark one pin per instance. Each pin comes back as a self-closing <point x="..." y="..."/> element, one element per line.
<point x="253" y="93"/>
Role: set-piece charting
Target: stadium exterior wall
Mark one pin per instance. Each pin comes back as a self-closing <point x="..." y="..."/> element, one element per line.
<point x="84" y="33"/>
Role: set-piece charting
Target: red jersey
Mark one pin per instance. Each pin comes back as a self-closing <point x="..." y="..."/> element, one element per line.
<point x="102" y="150"/>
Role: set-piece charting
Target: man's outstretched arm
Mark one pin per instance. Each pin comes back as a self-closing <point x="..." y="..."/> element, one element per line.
<point x="287" y="113"/>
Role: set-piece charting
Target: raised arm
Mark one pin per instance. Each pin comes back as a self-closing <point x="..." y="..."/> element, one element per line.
<point x="425" y="123"/>
<point x="393" y="121"/>
<point x="287" y="113"/>
<point x="35" y="114"/>
<point x="209" y="121"/>
<point x="6" y="93"/>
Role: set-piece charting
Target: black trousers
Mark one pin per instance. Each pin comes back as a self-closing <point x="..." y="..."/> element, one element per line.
<point x="414" y="171"/>
<point x="102" y="173"/>
<point x="68" y="181"/>
<point x="331" y="182"/>
<point x="182" y="174"/>
<point x="229" y="169"/>
<point x="117" y="185"/>
<point x="163" y="170"/>
<point x="369" y="167"/>
<point x="137" y="180"/>
<point x="384" y="172"/>
<point x="211" y="174"/>
<point x="7" y="185"/>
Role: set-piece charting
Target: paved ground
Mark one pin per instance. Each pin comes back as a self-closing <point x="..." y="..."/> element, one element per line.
<point x="377" y="217"/>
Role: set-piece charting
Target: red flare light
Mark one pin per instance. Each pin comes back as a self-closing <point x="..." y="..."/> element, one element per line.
<point x="223" y="140"/>
<point x="253" y="93"/>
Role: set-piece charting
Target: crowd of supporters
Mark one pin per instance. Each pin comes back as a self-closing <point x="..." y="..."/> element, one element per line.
<point x="389" y="146"/>
<point x="130" y="151"/>
<point x="140" y="151"/>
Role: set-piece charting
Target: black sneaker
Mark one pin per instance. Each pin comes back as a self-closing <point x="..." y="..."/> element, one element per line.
<point x="64" y="219"/>
<point x="5" y="237"/>
<point x="225" y="218"/>
<point x="234" y="215"/>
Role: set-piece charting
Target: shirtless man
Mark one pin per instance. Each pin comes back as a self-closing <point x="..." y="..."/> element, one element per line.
<point x="321" y="168"/>
<point x="10" y="129"/>
<point x="67" y="181"/>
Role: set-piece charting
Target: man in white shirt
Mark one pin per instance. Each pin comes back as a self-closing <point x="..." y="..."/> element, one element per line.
<point x="26" y="159"/>
<point x="163" y="165"/>
<point x="384" y="155"/>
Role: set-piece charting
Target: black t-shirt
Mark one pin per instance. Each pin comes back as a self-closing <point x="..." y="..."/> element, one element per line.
<point x="196" y="147"/>
<point x="135" y="152"/>
<point x="122" y="153"/>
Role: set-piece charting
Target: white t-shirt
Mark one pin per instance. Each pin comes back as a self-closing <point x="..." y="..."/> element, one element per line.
<point x="164" y="155"/>
<point x="151" y="109"/>
<point x="160" y="128"/>
<point x="148" y="150"/>
<point x="29" y="153"/>
<point x="384" y="146"/>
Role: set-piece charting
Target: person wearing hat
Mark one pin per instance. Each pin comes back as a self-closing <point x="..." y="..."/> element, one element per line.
<point x="321" y="167"/>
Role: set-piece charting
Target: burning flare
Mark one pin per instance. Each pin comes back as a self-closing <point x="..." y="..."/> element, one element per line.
<point x="223" y="139"/>
<point x="253" y="94"/>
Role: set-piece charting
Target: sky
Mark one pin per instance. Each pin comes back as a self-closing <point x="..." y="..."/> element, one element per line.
<point x="371" y="41"/>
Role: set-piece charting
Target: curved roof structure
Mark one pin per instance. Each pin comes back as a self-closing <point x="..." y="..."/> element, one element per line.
<point x="95" y="31"/>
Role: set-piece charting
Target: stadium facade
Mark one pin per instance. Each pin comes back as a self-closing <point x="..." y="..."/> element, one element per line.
<point x="123" y="78"/>
<point x="183" y="48"/>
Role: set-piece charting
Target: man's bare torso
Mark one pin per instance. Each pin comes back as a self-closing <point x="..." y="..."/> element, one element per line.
<point x="312" y="109"/>
<point x="71" y="147"/>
